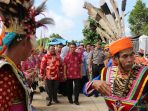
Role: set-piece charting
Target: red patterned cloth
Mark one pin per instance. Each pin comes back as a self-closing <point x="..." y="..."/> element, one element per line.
<point x="50" y="67"/>
<point x="61" y="69"/>
<point x="37" y="59"/>
<point x="141" y="61"/>
<point x="73" y="63"/>
<point x="10" y="89"/>
<point x="28" y="67"/>
<point x="61" y="72"/>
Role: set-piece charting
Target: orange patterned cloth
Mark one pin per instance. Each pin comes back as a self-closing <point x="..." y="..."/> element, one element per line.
<point x="119" y="45"/>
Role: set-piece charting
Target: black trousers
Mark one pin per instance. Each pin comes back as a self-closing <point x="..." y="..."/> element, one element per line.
<point x="52" y="89"/>
<point x="62" y="88"/>
<point x="96" y="70"/>
<point x="70" y="92"/>
<point x="83" y="82"/>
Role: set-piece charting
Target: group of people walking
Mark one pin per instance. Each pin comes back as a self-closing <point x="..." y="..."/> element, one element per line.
<point x="61" y="68"/>
<point x="113" y="71"/>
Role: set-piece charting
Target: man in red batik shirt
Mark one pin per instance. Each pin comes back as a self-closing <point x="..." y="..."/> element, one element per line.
<point x="73" y="73"/>
<point x="49" y="71"/>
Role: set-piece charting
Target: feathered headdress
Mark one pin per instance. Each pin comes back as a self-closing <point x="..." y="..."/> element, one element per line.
<point x="112" y="27"/>
<point x="18" y="16"/>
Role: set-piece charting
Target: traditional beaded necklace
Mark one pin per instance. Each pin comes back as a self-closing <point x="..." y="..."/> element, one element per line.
<point x="19" y="71"/>
<point x="126" y="84"/>
<point x="10" y="61"/>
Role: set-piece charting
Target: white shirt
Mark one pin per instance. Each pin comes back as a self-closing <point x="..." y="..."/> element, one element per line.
<point x="64" y="51"/>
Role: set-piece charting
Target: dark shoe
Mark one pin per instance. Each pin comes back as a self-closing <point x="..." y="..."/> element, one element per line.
<point x="70" y="101"/>
<point x="77" y="103"/>
<point x="56" y="101"/>
<point x="96" y="95"/>
<point x="49" y="103"/>
<point x="42" y="89"/>
<point x="47" y="98"/>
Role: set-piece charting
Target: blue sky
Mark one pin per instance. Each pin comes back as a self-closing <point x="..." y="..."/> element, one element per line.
<point x="69" y="17"/>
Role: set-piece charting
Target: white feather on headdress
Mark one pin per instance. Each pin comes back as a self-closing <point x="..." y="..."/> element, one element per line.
<point x="112" y="26"/>
<point x="99" y="17"/>
<point x="19" y="16"/>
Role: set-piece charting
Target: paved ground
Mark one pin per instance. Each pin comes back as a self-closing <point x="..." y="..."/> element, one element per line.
<point x="86" y="104"/>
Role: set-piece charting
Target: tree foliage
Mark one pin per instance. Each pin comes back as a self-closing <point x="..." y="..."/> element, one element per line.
<point x="43" y="41"/>
<point x="74" y="41"/>
<point x="90" y="34"/>
<point x="145" y="29"/>
<point x="55" y="36"/>
<point x="138" y="19"/>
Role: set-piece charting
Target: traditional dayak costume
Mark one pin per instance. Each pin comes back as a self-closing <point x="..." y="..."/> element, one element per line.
<point x="128" y="94"/>
<point x="18" y="18"/>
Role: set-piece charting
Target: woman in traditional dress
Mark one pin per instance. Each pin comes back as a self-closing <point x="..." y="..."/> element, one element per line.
<point x="16" y="43"/>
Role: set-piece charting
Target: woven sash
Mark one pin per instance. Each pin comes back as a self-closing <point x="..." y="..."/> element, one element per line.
<point x="135" y="94"/>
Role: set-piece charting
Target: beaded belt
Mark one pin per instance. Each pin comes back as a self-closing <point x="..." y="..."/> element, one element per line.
<point x="17" y="101"/>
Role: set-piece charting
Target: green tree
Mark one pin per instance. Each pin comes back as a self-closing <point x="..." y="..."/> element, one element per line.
<point x="89" y="32"/>
<point x="74" y="41"/>
<point x="138" y="19"/>
<point x="55" y="36"/>
<point x="145" y="29"/>
<point x="43" y="42"/>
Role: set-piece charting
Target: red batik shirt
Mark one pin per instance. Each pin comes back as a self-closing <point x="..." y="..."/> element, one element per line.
<point x="50" y="67"/>
<point x="73" y="65"/>
<point x="61" y="69"/>
<point x="10" y="89"/>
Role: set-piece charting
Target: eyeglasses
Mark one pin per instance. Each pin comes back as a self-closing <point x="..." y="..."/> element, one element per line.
<point x="106" y="50"/>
